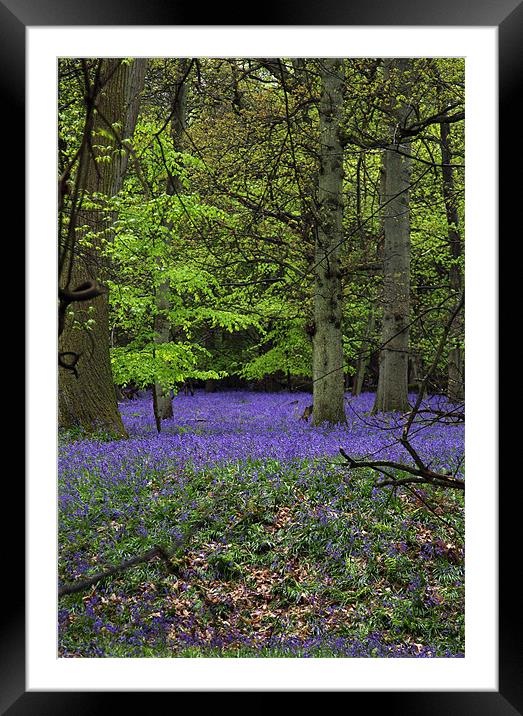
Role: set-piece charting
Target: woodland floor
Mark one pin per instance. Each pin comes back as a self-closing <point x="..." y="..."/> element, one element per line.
<point x="289" y="555"/>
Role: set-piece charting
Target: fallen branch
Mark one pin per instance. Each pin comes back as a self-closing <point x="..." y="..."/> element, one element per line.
<point x="419" y="474"/>
<point x="157" y="551"/>
<point x="73" y="587"/>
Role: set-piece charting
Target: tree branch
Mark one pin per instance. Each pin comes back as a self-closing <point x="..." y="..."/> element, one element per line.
<point x="420" y="474"/>
<point x="157" y="551"/>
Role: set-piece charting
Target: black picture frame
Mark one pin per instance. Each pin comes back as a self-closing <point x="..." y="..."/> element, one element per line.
<point x="15" y="16"/>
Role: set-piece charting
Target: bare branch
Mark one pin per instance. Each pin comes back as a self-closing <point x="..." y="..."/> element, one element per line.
<point x="420" y="474"/>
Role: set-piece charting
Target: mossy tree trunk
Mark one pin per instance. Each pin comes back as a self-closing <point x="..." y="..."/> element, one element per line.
<point x="327" y="363"/>
<point x="87" y="399"/>
<point x="392" y="391"/>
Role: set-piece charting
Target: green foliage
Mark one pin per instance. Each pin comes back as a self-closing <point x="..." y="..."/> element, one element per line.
<point x="167" y="364"/>
<point x="232" y="248"/>
<point x="285" y="348"/>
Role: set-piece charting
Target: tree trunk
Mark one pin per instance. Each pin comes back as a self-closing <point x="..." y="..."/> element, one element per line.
<point x="162" y="326"/>
<point x="88" y="399"/>
<point x="392" y="392"/>
<point x="415" y="372"/>
<point x="327" y="363"/>
<point x="456" y="363"/>
<point x="163" y="407"/>
<point x="365" y="353"/>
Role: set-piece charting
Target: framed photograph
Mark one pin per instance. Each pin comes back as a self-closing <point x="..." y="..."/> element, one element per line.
<point x="488" y="676"/>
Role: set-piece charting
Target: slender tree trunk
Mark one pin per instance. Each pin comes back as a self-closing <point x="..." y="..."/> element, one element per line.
<point x="88" y="399"/>
<point x="162" y="325"/>
<point x="162" y="401"/>
<point x="456" y="363"/>
<point x="365" y="353"/>
<point x="415" y="372"/>
<point x="327" y="366"/>
<point x="392" y="392"/>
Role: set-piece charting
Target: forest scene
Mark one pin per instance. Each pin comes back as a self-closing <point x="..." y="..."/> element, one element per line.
<point x="261" y="359"/>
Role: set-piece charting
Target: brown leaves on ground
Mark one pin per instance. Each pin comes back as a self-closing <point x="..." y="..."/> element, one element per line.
<point x="257" y="605"/>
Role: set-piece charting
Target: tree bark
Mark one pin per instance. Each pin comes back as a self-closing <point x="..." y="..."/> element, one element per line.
<point x="415" y="372"/>
<point x="87" y="399"/>
<point x="392" y="392"/>
<point x="328" y="361"/>
<point x="456" y="363"/>
<point x="162" y="325"/>
<point x="365" y="353"/>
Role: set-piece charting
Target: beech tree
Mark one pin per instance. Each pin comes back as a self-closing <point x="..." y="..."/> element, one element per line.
<point x="392" y="392"/>
<point x="328" y="361"/>
<point x="87" y="396"/>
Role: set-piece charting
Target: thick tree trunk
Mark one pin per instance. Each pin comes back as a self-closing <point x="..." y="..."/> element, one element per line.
<point x="327" y="365"/>
<point x="162" y="326"/>
<point x="392" y="392"/>
<point x="456" y="363"/>
<point x="88" y="399"/>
